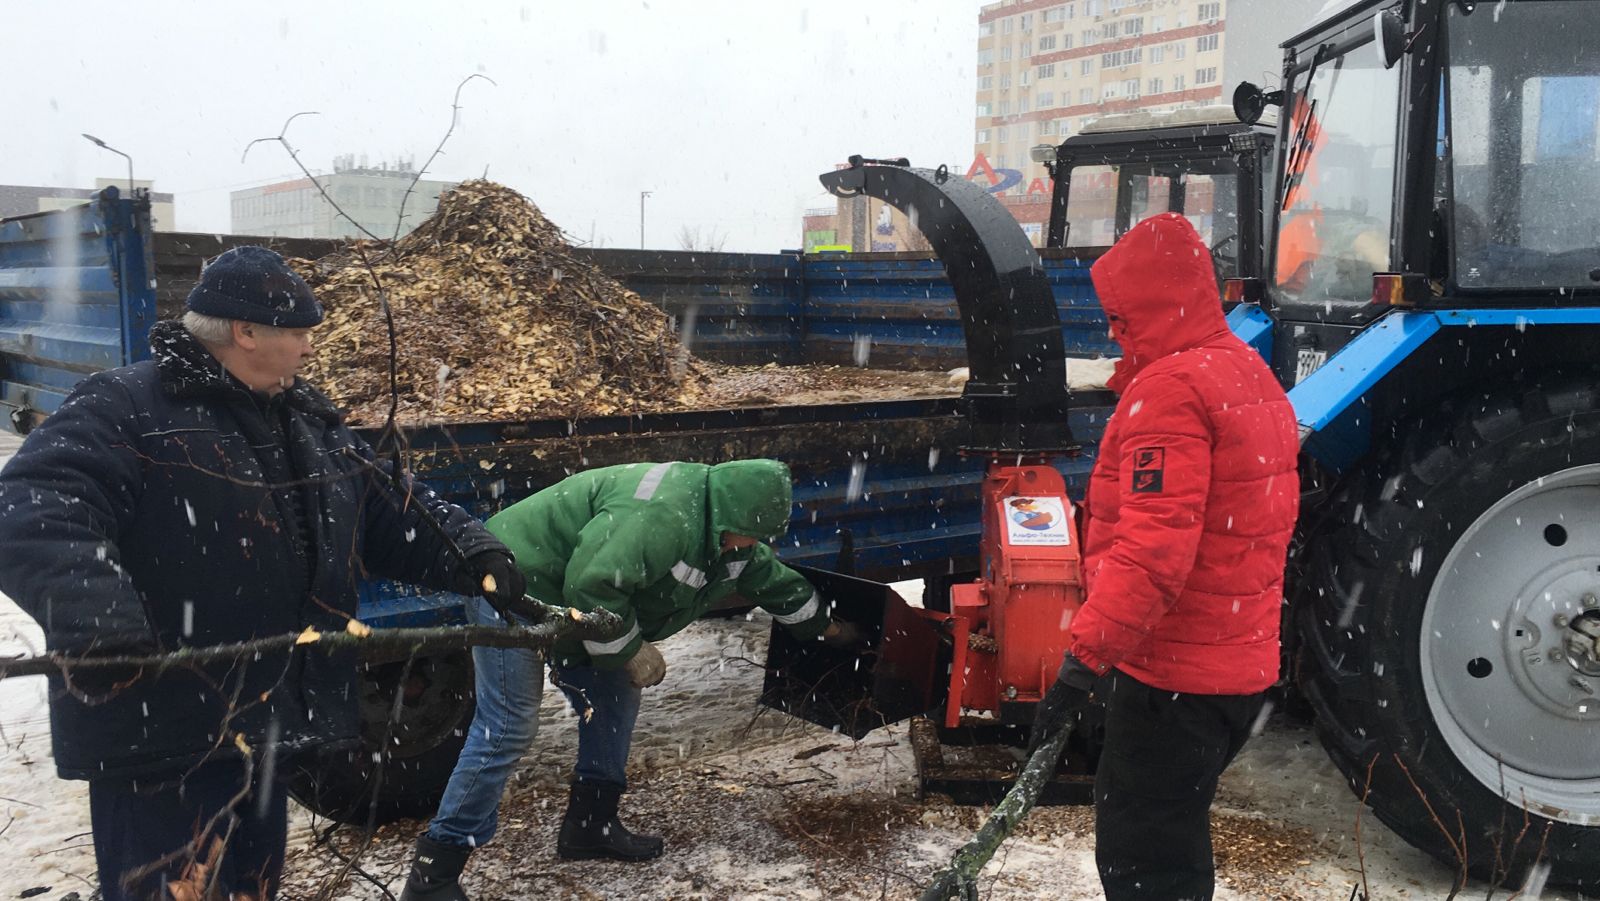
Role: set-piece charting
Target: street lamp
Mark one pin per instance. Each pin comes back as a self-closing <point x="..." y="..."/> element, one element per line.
<point x="104" y="146"/>
<point x="642" y="196"/>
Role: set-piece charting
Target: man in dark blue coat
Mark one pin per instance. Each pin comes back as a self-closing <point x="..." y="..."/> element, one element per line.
<point x="204" y="497"/>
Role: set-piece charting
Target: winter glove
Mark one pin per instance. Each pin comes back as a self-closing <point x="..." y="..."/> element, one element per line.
<point x="843" y="636"/>
<point x="493" y="574"/>
<point x="1071" y="693"/>
<point x="646" y="668"/>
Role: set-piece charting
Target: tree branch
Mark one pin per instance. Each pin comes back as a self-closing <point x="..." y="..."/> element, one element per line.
<point x="960" y="879"/>
<point x="598" y="625"/>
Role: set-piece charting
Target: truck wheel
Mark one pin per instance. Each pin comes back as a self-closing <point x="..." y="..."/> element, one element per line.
<point x="1441" y="620"/>
<point x="423" y="745"/>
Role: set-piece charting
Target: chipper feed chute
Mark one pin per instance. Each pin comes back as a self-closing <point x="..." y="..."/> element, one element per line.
<point x="971" y="668"/>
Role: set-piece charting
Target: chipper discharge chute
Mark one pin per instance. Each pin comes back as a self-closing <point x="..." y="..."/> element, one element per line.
<point x="968" y="669"/>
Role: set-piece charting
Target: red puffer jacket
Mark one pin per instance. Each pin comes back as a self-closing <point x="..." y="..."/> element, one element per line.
<point x="1194" y="493"/>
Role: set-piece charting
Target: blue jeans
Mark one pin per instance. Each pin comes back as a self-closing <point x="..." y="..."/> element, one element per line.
<point x="510" y="684"/>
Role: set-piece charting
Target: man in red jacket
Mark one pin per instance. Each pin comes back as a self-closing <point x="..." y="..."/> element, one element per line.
<point x="1191" y="505"/>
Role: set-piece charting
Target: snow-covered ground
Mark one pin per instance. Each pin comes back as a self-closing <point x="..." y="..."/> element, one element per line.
<point x="756" y="805"/>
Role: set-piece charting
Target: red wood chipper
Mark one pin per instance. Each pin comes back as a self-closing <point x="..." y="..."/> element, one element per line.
<point x="969" y="666"/>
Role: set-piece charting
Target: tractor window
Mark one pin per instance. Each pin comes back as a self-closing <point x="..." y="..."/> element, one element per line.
<point x="1092" y="207"/>
<point x="1524" y="102"/>
<point x="1335" y="209"/>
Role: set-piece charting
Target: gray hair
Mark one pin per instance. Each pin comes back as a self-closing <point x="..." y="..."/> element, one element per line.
<point x="212" y="330"/>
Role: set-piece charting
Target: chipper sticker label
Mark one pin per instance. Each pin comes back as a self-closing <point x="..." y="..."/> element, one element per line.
<point x="1036" y="521"/>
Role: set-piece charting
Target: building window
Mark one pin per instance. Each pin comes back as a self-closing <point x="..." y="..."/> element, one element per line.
<point x="1027" y="22"/>
<point x="1207" y="42"/>
<point x="1133" y="27"/>
<point x="1130" y="88"/>
<point x="1158" y="54"/>
<point x="1088" y="37"/>
<point x="1207" y="75"/>
<point x="984" y="109"/>
<point x="1003" y="134"/>
<point x="1046" y="99"/>
<point x="1086" y="67"/>
<point x="1022" y="104"/>
<point x="1095" y="8"/>
<point x="1177" y="83"/>
<point x="1005" y="81"/>
<point x="1122" y="58"/>
<point x="985" y="57"/>
<point x="1210" y="12"/>
<point x="983" y="136"/>
<point x="1047" y="42"/>
<point x="1086" y="95"/>
<point x="1047" y="128"/>
<point x="986" y="83"/>
<point x="1154" y="86"/>
<point x="1024" y="77"/>
<point x="1048" y="70"/>
<point x="1005" y="54"/>
<point x="1180" y="50"/>
<point x="1005" y="26"/>
<point x="1063" y="127"/>
<point x="1066" y="41"/>
<point x="1158" y="23"/>
<point x="1059" y="14"/>
<point x="1000" y="161"/>
<point x="986" y="30"/>
<point x="1024" y="50"/>
<point x="1108" y="92"/>
<point x="1108" y="31"/>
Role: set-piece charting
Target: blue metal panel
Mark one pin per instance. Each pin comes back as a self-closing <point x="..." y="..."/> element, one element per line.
<point x="75" y="297"/>
<point x="1359" y="365"/>
<point x="1519" y="318"/>
<point x="1253" y="327"/>
<point x="902" y="312"/>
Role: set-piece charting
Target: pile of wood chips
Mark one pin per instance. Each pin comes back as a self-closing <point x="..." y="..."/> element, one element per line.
<point x="495" y="319"/>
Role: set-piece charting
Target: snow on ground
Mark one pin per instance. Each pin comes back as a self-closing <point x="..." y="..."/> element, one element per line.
<point x="754" y="805"/>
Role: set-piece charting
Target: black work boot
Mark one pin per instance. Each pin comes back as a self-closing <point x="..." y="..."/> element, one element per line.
<point x="591" y="829"/>
<point x="434" y="872"/>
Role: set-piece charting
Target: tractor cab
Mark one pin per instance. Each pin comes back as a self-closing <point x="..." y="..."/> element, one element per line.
<point x="1203" y="163"/>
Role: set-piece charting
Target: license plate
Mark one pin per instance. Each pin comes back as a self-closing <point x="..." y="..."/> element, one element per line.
<point x="1307" y="362"/>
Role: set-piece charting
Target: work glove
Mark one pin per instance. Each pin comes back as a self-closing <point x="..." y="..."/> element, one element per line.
<point x="493" y="574"/>
<point x="843" y="635"/>
<point x="1071" y="693"/>
<point x="647" y="667"/>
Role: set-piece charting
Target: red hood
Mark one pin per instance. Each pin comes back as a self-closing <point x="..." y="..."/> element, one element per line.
<point x="1159" y="292"/>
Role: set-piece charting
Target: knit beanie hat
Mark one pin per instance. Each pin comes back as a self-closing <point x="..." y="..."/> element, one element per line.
<point x="254" y="284"/>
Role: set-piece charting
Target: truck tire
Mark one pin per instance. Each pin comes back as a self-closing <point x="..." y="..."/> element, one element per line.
<point x="1441" y="579"/>
<point x="423" y="745"/>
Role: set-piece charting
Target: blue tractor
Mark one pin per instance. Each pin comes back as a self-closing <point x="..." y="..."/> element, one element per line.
<point x="1429" y="291"/>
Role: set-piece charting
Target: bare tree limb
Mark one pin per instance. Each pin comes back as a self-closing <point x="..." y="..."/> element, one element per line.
<point x="960" y="879"/>
<point x="596" y="625"/>
<point x="455" y="114"/>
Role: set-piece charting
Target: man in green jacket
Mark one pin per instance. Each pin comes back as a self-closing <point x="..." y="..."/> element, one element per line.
<point x="657" y="544"/>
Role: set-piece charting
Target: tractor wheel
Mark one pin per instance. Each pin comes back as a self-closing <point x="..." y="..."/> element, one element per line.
<point x="422" y="745"/>
<point x="1442" y="620"/>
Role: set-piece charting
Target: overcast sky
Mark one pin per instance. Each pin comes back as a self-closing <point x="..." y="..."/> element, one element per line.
<point x="727" y="111"/>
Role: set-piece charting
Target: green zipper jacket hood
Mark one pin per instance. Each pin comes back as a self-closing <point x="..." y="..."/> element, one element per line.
<point x="749" y="497"/>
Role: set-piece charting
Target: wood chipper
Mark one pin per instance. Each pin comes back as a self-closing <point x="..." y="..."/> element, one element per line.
<point x="969" y="666"/>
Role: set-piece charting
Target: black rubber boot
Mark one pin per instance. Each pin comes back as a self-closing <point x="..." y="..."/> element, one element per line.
<point x="591" y="830"/>
<point x="434" y="872"/>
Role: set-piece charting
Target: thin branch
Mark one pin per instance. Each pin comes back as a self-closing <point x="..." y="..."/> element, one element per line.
<point x="595" y="625"/>
<point x="455" y="115"/>
<point x="1459" y="849"/>
<point x="282" y="138"/>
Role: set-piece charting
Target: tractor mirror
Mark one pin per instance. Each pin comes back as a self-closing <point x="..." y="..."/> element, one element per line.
<point x="1249" y="102"/>
<point x="1389" y="36"/>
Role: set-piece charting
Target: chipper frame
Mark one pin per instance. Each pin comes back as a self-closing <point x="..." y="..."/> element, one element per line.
<point x="970" y="667"/>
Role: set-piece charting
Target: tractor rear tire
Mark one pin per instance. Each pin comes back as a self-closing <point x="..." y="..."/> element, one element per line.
<point x="1429" y="604"/>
